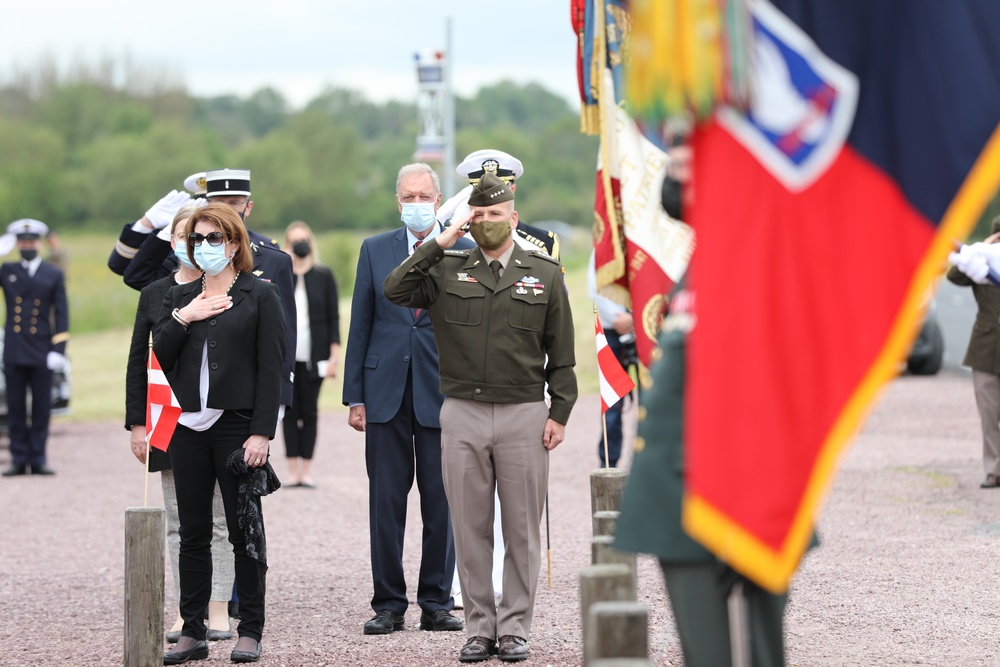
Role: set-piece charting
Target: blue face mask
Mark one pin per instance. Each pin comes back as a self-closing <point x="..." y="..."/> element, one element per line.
<point x="211" y="258"/>
<point x="418" y="217"/>
<point x="182" y="257"/>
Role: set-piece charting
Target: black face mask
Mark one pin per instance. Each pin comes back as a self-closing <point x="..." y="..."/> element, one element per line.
<point x="28" y="254"/>
<point x="301" y="248"/>
<point x="670" y="198"/>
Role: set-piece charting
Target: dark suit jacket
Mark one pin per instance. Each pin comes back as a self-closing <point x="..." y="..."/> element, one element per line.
<point x="246" y="346"/>
<point x="136" y="382"/>
<point x="983" y="353"/>
<point x="386" y="341"/>
<point x="324" y="313"/>
<point x="155" y="259"/>
<point x="37" y="313"/>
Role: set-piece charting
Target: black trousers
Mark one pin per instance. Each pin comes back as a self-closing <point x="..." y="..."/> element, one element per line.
<point x="299" y="424"/>
<point x="394" y="452"/>
<point x="27" y="441"/>
<point x="198" y="459"/>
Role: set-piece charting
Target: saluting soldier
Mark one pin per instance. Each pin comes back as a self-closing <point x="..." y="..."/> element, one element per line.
<point x="504" y="328"/>
<point x="36" y="333"/>
<point x="508" y="169"/>
<point x="158" y="218"/>
<point x="155" y="258"/>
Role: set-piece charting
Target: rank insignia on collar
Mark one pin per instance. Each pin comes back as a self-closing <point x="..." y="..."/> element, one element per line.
<point x="517" y="261"/>
<point x="466" y="278"/>
<point x="258" y="273"/>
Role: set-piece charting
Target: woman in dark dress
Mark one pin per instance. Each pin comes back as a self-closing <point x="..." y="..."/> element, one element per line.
<point x="317" y="351"/>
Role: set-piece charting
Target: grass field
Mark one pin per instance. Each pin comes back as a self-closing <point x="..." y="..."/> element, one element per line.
<point x="102" y="309"/>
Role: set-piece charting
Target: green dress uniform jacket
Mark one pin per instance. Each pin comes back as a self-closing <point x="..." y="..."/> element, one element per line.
<point x="983" y="353"/>
<point x="494" y="337"/>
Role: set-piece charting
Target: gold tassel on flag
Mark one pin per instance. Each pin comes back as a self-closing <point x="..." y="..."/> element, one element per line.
<point x="688" y="56"/>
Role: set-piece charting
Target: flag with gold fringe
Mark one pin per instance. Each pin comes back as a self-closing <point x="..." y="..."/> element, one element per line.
<point x="824" y="210"/>
<point x="639" y="252"/>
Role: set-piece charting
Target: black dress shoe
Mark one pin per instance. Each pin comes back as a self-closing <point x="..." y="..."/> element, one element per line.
<point x="513" y="648"/>
<point x="246" y="656"/>
<point x="197" y="651"/>
<point x="13" y="471"/>
<point x="477" y="649"/>
<point x="218" y="635"/>
<point x="173" y="636"/>
<point x="439" y="621"/>
<point x="384" y="623"/>
<point x="42" y="470"/>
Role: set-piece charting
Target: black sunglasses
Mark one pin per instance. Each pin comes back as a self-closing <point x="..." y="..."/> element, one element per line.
<point x="213" y="238"/>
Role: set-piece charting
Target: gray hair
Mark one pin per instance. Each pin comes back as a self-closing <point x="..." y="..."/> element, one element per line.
<point x="418" y="168"/>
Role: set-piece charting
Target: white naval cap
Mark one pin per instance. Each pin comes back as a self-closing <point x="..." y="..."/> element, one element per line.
<point x="196" y="184"/>
<point x="228" y="182"/>
<point x="504" y="165"/>
<point x="28" y="228"/>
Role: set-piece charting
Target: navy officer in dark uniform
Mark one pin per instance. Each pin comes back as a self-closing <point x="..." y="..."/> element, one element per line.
<point x="36" y="333"/>
<point x="155" y="258"/>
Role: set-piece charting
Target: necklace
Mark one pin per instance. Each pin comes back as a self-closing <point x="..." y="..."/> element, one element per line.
<point x="204" y="286"/>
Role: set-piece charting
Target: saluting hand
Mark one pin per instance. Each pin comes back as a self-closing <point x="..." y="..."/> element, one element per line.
<point x="452" y="233"/>
<point x="204" y="307"/>
<point x="554" y="434"/>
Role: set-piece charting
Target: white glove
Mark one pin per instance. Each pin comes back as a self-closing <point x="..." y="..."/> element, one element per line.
<point x="972" y="261"/>
<point x="162" y="212"/>
<point x="456" y="208"/>
<point x="55" y="361"/>
<point x="164" y="234"/>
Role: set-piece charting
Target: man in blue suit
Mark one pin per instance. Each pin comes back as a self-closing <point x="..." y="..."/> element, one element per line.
<point x="392" y="385"/>
<point x="35" y="339"/>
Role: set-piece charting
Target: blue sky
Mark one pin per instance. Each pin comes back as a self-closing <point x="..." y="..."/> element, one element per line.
<point x="298" y="46"/>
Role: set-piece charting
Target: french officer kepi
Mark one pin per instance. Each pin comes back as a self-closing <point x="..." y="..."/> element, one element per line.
<point x="36" y="333"/>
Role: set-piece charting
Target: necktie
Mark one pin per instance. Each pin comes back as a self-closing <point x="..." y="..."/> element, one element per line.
<point x="417" y="311"/>
<point x="495" y="268"/>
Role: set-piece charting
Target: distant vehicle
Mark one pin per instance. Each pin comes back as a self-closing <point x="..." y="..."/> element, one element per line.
<point x="927" y="352"/>
<point x="61" y="391"/>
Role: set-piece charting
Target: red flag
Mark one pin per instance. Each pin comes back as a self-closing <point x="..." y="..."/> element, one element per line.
<point x="823" y="212"/>
<point x="615" y="381"/>
<point x="162" y="408"/>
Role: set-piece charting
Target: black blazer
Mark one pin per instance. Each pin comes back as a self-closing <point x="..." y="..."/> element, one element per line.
<point x="324" y="313"/>
<point x="155" y="259"/>
<point x="246" y="350"/>
<point x="136" y="380"/>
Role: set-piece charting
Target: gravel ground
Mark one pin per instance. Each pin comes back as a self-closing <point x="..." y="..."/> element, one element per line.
<point x="909" y="545"/>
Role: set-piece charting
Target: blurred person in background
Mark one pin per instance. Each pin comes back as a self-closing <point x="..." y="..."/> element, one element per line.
<point x="136" y="385"/>
<point x="317" y="350"/>
<point x="35" y="338"/>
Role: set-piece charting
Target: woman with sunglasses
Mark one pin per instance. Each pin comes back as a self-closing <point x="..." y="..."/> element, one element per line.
<point x="136" y="383"/>
<point x="221" y="343"/>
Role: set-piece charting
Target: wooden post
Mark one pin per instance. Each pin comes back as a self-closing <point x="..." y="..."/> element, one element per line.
<point x="605" y="522"/>
<point x="606" y="488"/>
<point x="616" y="630"/>
<point x="604" y="583"/>
<point x="144" y="530"/>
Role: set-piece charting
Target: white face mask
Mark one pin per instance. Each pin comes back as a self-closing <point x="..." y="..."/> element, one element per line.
<point x="418" y="217"/>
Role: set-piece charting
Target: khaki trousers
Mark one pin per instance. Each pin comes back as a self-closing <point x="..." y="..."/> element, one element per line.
<point x="987" y="388"/>
<point x="487" y="447"/>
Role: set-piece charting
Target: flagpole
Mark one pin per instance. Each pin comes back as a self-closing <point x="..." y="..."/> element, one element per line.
<point x="604" y="422"/>
<point x="149" y="370"/>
